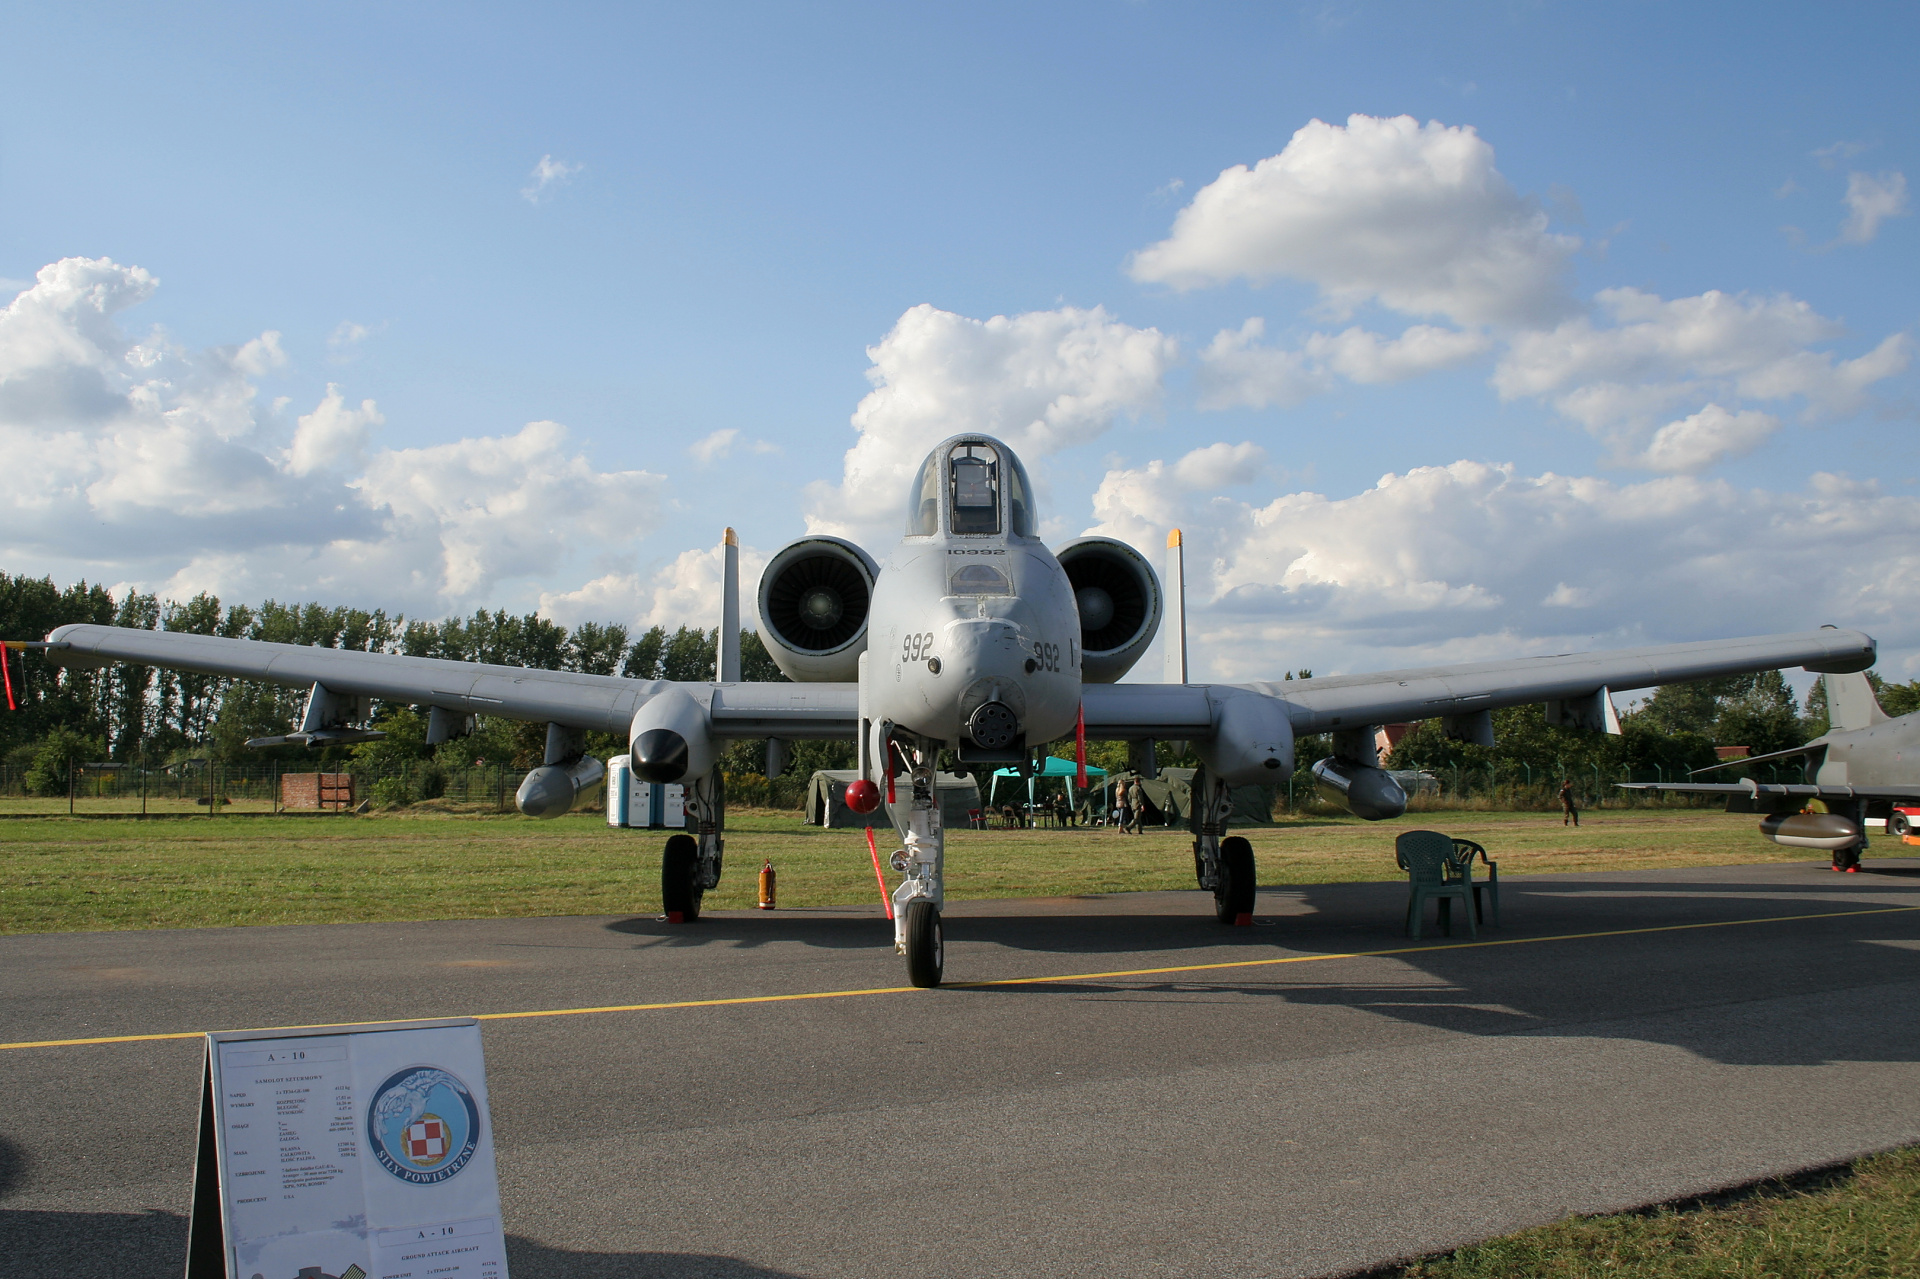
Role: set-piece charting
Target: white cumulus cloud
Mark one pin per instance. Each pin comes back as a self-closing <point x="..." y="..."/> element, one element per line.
<point x="1041" y="381"/>
<point x="1872" y="198"/>
<point x="1622" y="380"/>
<point x="713" y="447"/>
<point x="1473" y="561"/>
<point x="1238" y="370"/>
<point x="333" y="435"/>
<point x="1696" y="442"/>
<point x="1412" y="216"/>
<point x="136" y="461"/>
<point x="546" y="176"/>
<point x="684" y="591"/>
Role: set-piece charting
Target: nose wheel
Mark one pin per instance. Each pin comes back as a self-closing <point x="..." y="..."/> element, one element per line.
<point x="680" y="886"/>
<point x="926" y="957"/>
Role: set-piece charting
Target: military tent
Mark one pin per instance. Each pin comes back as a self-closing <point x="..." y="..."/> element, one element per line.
<point x="827" y="799"/>
<point x="1170" y="798"/>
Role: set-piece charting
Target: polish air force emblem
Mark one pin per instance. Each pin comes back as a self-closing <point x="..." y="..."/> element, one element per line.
<point x="423" y="1125"/>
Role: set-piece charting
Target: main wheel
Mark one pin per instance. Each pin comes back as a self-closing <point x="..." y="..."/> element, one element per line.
<point x="1233" y="900"/>
<point x="680" y="890"/>
<point x="1898" y="826"/>
<point x="925" y="951"/>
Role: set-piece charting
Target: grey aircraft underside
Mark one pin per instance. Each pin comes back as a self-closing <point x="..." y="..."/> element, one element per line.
<point x="973" y="637"/>
<point x="1864" y="766"/>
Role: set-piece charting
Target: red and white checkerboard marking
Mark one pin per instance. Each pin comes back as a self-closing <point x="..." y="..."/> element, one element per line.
<point x="426" y="1139"/>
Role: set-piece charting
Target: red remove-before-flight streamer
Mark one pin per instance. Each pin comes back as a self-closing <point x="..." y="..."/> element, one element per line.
<point x="878" y="878"/>
<point x="8" y="675"/>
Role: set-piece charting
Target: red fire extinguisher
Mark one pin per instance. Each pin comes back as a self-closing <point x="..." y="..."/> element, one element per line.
<point x="766" y="887"/>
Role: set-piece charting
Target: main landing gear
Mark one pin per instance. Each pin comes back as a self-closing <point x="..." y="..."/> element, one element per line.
<point x="1848" y="859"/>
<point x="691" y="863"/>
<point x="1224" y="865"/>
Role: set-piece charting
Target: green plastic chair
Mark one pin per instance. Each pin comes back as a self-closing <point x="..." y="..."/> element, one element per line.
<point x="1427" y="857"/>
<point x="1464" y="851"/>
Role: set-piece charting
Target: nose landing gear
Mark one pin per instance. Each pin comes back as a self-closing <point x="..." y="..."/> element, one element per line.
<point x="917" y="933"/>
<point x="691" y="865"/>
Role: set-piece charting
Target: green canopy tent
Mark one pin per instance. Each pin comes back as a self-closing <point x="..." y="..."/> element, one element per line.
<point x="1054" y="767"/>
<point x="958" y="793"/>
<point x="1170" y="797"/>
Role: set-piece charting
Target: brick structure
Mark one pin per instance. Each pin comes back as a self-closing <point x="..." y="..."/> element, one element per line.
<point x="329" y="792"/>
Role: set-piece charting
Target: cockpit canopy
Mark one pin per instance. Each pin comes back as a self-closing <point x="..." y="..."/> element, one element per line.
<point x="976" y="485"/>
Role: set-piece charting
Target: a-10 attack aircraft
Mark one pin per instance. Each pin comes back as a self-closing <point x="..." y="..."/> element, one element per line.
<point x="974" y="638"/>
<point x="1866" y="765"/>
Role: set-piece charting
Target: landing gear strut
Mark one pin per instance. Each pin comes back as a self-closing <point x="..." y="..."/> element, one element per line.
<point x="1848" y="859"/>
<point x="1223" y="865"/>
<point x="691" y="863"/>
<point x="921" y="862"/>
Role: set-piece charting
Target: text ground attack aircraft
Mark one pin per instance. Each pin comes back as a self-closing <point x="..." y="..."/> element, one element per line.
<point x="1866" y="765"/>
<point x="972" y="637"/>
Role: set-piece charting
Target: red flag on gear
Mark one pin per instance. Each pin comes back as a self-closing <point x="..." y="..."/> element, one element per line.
<point x="1080" y="745"/>
<point x="8" y="675"/>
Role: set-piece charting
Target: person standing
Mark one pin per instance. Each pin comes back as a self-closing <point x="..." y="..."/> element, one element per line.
<point x="1569" y="815"/>
<point x="1136" y="806"/>
<point x="1122" y="816"/>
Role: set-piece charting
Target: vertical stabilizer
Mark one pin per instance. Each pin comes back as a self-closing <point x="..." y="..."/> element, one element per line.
<point x="727" y="664"/>
<point x="1176" y="610"/>
<point x="1851" y="703"/>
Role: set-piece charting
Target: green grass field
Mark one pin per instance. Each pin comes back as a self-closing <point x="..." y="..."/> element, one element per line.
<point x="61" y="874"/>
<point x="1861" y="1223"/>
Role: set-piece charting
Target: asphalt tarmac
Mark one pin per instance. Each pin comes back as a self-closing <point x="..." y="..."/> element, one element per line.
<point x="1621" y="1039"/>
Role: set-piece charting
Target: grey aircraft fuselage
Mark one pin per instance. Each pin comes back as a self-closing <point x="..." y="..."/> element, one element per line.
<point x="1867" y="765"/>
<point x="962" y="622"/>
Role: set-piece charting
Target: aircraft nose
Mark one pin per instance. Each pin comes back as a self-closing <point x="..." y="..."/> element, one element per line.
<point x="660" y="755"/>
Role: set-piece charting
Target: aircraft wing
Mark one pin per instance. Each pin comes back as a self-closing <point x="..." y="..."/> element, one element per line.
<point x="1318" y="705"/>
<point x="1779" y="790"/>
<point x="602" y="702"/>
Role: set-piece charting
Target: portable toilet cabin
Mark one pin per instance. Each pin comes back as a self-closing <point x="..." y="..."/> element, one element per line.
<point x="642" y="805"/>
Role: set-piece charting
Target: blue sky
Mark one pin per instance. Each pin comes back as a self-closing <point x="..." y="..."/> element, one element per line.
<point x="745" y="199"/>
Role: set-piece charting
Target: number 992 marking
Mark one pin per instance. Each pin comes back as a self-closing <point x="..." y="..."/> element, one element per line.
<point x="917" y="647"/>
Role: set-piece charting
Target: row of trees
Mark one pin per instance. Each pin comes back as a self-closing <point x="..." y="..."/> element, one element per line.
<point x="124" y="711"/>
<point x="1674" y="731"/>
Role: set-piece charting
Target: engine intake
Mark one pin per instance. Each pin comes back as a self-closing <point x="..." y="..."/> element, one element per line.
<point x="814" y="597"/>
<point x="1119" y="598"/>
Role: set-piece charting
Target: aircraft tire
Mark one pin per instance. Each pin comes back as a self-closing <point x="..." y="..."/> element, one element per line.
<point x="926" y="947"/>
<point x="1234" y="897"/>
<point x="679" y="874"/>
<point x="1897" y="826"/>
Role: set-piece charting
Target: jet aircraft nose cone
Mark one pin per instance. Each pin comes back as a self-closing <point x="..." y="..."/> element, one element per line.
<point x="660" y="755"/>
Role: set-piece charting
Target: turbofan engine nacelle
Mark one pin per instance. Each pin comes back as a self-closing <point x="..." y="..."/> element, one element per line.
<point x="552" y="789"/>
<point x="671" y="739"/>
<point x="1119" y="598"/>
<point x="1361" y="789"/>
<point x="814" y="598"/>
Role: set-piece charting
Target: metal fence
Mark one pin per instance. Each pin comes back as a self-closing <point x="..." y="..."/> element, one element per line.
<point x="213" y="788"/>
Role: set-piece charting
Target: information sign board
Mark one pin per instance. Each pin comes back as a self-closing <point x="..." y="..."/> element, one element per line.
<point x="346" y="1152"/>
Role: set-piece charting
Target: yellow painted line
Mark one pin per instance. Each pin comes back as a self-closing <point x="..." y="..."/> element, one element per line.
<point x="1035" y="981"/>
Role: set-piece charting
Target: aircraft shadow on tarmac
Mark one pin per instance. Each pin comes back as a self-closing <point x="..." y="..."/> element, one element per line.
<point x="1637" y="987"/>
